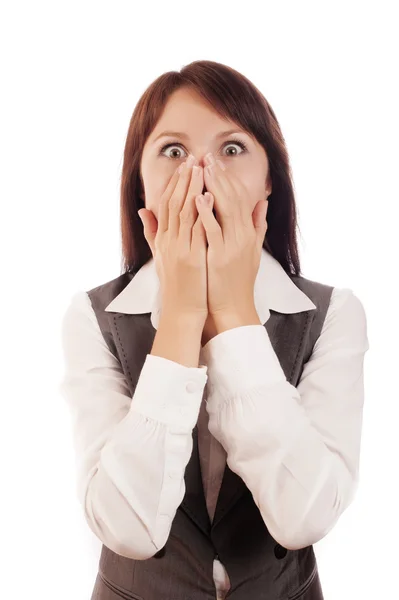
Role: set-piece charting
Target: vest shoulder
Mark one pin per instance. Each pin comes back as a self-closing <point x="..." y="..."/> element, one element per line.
<point x="101" y="295"/>
<point x="315" y="290"/>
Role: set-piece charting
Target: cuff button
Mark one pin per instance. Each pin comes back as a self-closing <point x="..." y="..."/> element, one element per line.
<point x="191" y="386"/>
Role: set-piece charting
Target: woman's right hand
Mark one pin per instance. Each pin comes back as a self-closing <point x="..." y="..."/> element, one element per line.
<point x="178" y="243"/>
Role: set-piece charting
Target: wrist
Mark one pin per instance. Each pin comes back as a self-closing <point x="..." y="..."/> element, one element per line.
<point x="230" y="320"/>
<point x="185" y="320"/>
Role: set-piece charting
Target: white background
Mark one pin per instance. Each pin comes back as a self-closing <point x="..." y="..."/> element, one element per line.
<point x="71" y="75"/>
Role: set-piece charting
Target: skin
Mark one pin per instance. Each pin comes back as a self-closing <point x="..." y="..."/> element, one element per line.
<point x="189" y="113"/>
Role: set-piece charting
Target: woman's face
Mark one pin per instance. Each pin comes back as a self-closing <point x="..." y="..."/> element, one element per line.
<point x="200" y="130"/>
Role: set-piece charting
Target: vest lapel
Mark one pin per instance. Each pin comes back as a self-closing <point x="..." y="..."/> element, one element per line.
<point x="133" y="336"/>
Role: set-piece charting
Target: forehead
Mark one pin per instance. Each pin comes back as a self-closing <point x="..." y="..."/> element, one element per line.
<point x="187" y="113"/>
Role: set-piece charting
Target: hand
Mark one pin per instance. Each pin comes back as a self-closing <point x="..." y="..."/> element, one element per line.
<point x="178" y="244"/>
<point x="234" y="247"/>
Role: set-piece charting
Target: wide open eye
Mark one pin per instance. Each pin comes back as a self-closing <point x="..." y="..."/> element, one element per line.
<point x="232" y="142"/>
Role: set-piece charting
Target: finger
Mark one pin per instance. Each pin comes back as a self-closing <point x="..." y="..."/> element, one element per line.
<point x="178" y="198"/>
<point x="150" y="227"/>
<point x="212" y="228"/>
<point x="226" y="203"/>
<point x="224" y="199"/>
<point x="198" y="240"/>
<point x="163" y="208"/>
<point x="189" y="212"/>
<point x="220" y="193"/>
<point x="235" y="190"/>
<point x="259" y="221"/>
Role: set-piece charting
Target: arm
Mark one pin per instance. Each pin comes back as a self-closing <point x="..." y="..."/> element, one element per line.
<point x="297" y="449"/>
<point x="178" y="338"/>
<point x="123" y="445"/>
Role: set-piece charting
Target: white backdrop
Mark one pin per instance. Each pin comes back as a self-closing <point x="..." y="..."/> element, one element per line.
<point x="71" y="75"/>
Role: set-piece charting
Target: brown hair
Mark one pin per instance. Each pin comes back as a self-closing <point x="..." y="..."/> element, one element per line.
<point x="234" y="97"/>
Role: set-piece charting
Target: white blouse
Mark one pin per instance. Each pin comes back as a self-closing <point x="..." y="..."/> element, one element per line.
<point x="296" y="448"/>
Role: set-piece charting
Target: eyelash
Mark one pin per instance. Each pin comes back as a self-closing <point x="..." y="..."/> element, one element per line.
<point x="242" y="145"/>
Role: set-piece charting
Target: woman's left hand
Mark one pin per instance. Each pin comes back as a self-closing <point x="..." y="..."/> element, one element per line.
<point x="234" y="246"/>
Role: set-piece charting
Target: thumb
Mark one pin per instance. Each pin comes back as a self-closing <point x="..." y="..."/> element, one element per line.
<point x="259" y="219"/>
<point x="150" y="225"/>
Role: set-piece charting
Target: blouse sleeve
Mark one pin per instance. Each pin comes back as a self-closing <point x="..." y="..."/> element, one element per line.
<point x="296" y="448"/>
<point x="131" y="453"/>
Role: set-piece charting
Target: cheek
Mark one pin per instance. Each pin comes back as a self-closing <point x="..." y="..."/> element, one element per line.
<point x="154" y="188"/>
<point x="255" y="188"/>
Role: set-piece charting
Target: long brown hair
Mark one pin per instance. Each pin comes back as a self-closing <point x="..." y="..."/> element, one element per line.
<point x="234" y="97"/>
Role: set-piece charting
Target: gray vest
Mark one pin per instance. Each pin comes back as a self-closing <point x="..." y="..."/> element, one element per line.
<point x="258" y="567"/>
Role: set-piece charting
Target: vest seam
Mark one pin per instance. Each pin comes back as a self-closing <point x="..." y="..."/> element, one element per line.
<point x="304" y="586"/>
<point x="117" y="589"/>
<point x="300" y="346"/>
<point x="123" y="352"/>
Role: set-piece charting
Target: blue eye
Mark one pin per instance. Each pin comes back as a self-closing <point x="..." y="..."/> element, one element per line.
<point x="242" y="145"/>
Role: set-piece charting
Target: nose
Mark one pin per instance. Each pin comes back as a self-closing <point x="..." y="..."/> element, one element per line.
<point x="200" y="159"/>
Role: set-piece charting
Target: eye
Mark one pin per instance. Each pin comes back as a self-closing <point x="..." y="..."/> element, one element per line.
<point x="239" y="143"/>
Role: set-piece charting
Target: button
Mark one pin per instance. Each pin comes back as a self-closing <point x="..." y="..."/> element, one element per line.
<point x="280" y="551"/>
<point x="174" y="474"/>
<point x="192" y="386"/>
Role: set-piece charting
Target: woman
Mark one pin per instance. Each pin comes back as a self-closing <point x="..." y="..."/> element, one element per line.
<point x="216" y="393"/>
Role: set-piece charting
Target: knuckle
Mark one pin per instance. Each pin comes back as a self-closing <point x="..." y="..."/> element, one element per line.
<point x="174" y="205"/>
<point x="163" y="199"/>
<point x="183" y="256"/>
<point x="186" y="216"/>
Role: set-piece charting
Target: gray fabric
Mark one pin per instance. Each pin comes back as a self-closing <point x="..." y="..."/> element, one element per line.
<point x="258" y="567"/>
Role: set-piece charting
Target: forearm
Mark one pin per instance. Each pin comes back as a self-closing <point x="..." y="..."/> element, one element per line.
<point x="178" y="338"/>
<point x="224" y="322"/>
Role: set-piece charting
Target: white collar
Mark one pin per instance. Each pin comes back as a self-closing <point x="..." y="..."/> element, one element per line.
<point x="273" y="290"/>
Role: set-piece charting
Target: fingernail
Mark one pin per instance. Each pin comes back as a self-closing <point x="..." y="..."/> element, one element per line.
<point x="209" y="157"/>
<point x="190" y="160"/>
<point x="201" y="199"/>
<point x="221" y="165"/>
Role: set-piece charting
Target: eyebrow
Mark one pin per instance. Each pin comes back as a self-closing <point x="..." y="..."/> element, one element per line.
<point x="186" y="137"/>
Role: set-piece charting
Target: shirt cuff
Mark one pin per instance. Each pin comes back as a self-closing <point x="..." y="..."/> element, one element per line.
<point x="170" y="392"/>
<point x="240" y="358"/>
